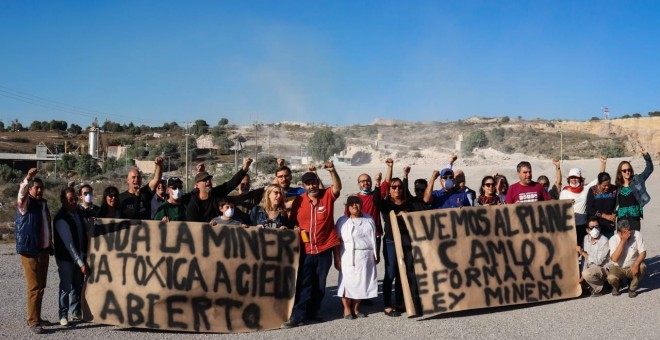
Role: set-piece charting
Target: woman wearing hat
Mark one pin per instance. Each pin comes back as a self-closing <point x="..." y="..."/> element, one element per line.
<point x="357" y="277"/>
<point x="577" y="191"/>
<point x="632" y="195"/>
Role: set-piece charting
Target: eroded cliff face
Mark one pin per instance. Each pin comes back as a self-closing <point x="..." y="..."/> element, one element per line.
<point x="643" y="131"/>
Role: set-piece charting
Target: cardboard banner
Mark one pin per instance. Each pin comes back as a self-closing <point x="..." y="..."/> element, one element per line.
<point x="476" y="257"/>
<point x="190" y="276"/>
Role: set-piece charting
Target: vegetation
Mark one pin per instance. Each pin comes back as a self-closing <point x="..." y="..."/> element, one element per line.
<point x="476" y="139"/>
<point x="324" y="143"/>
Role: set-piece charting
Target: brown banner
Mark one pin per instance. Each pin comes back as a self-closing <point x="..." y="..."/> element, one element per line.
<point x="478" y="257"/>
<point x="190" y="276"/>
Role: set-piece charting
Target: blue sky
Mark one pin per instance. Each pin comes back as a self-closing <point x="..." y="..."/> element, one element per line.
<point x="334" y="62"/>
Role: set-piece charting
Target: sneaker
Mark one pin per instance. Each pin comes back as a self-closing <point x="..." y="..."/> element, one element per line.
<point x="291" y="323"/>
<point x="615" y="292"/>
<point x="632" y="294"/>
<point x="37" y="329"/>
<point x="64" y="322"/>
<point x="76" y="318"/>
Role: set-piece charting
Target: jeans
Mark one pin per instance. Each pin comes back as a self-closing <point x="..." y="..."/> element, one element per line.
<point x="313" y="272"/>
<point x="71" y="283"/>
<point x="391" y="272"/>
<point x="35" y="269"/>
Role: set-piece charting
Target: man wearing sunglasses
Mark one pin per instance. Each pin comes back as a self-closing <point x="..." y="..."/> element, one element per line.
<point x="449" y="196"/>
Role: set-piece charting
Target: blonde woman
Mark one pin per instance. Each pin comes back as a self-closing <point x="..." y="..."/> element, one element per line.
<point x="271" y="212"/>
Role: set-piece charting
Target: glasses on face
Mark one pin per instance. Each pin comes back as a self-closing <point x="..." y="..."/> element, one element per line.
<point x="277" y="193"/>
<point x="112" y="196"/>
<point x="395" y="187"/>
<point x="365" y="181"/>
<point x="87" y="193"/>
<point x="626" y="170"/>
<point x="283" y="176"/>
<point x="448" y="177"/>
<point x="592" y="226"/>
<point x="489" y="185"/>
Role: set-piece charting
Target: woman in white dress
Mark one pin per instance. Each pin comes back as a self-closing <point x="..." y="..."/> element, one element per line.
<point x="357" y="274"/>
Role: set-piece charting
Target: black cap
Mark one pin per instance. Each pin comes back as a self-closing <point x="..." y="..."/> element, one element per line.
<point x="173" y="181"/>
<point x="309" y="176"/>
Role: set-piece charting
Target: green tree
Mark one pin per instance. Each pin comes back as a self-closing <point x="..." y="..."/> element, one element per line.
<point x="9" y="175"/>
<point x="110" y="164"/>
<point x="651" y="114"/>
<point x="497" y="135"/>
<point x="2" y="125"/>
<point x="75" y="129"/>
<point x="266" y="164"/>
<point x="324" y="143"/>
<point x="223" y="122"/>
<point x="637" y="115"/>
<point x="200" y="127"/>
<point x="67" y="163"/>
<point x="87" y="167"/>
<point x="57" y="125"/>
<point x="476" y="139"/>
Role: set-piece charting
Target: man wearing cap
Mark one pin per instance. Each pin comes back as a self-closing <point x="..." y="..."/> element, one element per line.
<point x="526" y="190"/>
<point x="459" y="182"/>
<point x="203" y="206"/>
<point x="449" y="196"/>
<point x="173" y="209"/>
<point x="595" y="252"/>
<point x="577" y="191"/>
<point x="627" y="252"/>
<point x="135" y="203"/>
<point x="313" y="213"/>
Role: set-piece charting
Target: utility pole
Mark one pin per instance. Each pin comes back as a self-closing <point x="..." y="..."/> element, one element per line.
<point x="256" y="149"/>
<point x="186" y="137"/>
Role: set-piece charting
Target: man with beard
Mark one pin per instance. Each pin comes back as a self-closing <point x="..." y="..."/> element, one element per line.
<point x="135" y="203"/>
<point x="313" y="212"/>
<point x="526" y="190"/>
<point x="203" y="205"/>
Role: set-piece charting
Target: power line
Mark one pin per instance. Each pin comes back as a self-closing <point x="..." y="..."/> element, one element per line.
<point x="62" y="107"/>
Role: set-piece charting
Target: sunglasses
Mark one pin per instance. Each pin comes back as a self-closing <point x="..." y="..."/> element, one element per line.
<point x="626" y="170"/>
<point x="488" y="185"/>
<point x="593" y="226"/>
<point x="448" y="177"/>
<point x="88" y="193"/>
<point x="395" y="187"/>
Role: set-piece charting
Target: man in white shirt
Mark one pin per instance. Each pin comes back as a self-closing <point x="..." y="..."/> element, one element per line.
<point x="627" y="252"/>
<point x="596" y="258"/>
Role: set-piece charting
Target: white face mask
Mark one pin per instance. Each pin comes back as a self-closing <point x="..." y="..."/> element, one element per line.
<point x="229" y="212"/>
<point x="575" y="185"/>
<point x="176" y="194"/>
<point x="88" y="199"/>
<point x="595" y="232"/>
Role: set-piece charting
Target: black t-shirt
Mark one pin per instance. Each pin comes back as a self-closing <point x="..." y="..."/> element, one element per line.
<point x="199" y="210"/>
<point x="136" y="207"/>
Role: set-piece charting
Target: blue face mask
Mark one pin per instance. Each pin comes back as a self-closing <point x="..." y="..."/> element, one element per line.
<point x="366" y="192"/>
<point x="449" y="184"/>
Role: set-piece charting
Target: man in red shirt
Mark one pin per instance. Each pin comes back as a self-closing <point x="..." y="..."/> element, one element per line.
<point x="313" y="213"/>
<point x="526" y="190"/>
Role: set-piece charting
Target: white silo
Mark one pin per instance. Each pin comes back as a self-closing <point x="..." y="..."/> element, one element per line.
<point x="94" y="141"/>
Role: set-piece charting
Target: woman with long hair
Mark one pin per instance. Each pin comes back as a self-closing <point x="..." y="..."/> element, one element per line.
<point x="632" y="195"/>
<point x="110" y="203"/>
<point x="271" y="211"/>
<point x="501" y="186"/>
<point x="357" y="276"/>
<point x="487" y="194"/>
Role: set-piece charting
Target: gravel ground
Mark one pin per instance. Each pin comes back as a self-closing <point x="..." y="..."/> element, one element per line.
<point x="586" y="318"/>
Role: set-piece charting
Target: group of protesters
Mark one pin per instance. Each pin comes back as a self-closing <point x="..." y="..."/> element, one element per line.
<point x="607" y="219"/>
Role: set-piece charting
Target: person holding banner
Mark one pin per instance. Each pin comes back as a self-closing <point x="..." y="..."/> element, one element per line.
<point x="313" y="213"/>
<point x="109" y="205"/>
<point x="526" y="190"/>
<point x="271" y="212"/>
<point x="70" y="254"/>
<point x="628" y="252"/>
<point x="357" y="277"/>
<point x="632" y="196"/>
<point x="596" y="252"/>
